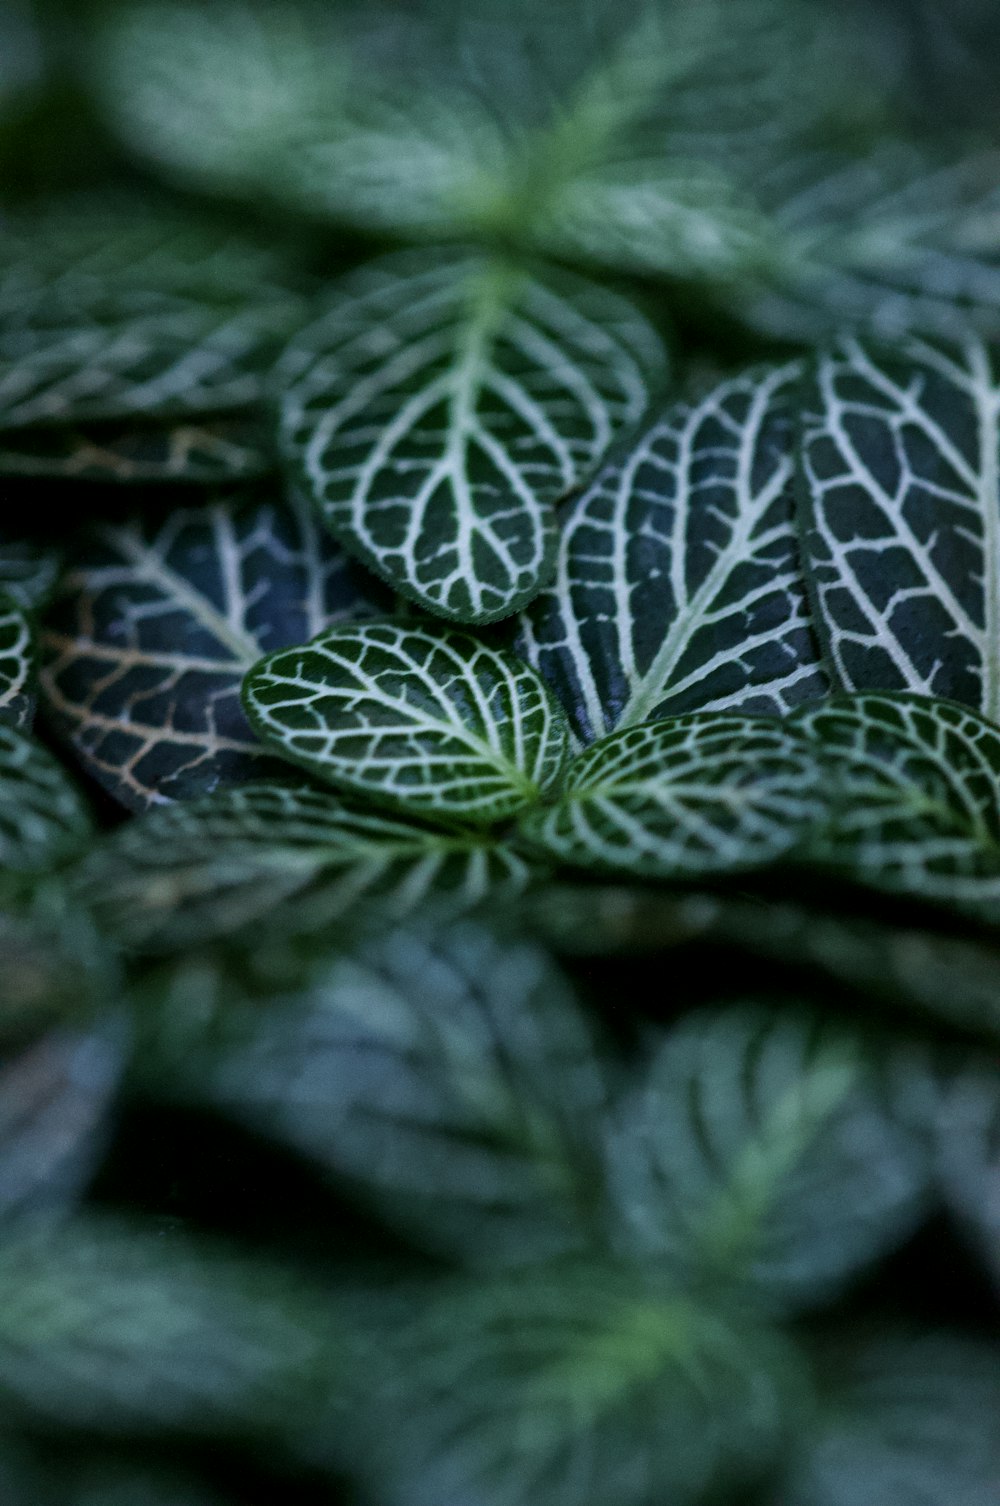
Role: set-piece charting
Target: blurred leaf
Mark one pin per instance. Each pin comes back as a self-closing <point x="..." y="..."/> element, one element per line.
<point x="43" y="818"/>
<point x="17" y="665"/>
<point x="156" y="624"/>
<point x="442" y="405"/>
<point x="427" y="720"/>
<point x="28" y="570"/>
<point x="276" y="860"/>
<point x="967" y="1141"/>
<point x="447" y="1073"/>
<point x="690" y="795"/>
<point x="226" y="448"/>
<point x="678" y="585"/>
<point x="757" y="1152"/>
<point x="53" y="965"/>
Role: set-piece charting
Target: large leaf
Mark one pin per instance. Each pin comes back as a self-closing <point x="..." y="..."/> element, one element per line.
<point x="17" y="664"/>
<point x="272" y="857"/>
<point x="43" y="818"/>
<point x="912" y="790"/>
<point x="573" y="1386"/>
<point x="443" y="404"/>
<point x="210" y="449"/>
<point x="448" y="1073"/>
<point x="707" y="793"/>
<point x="156" y="625"/>
<point x="901" y="515"/>
<point x="757" y="1151"/>
<point x="428" y="720"/>
<point x="678" y="586"/>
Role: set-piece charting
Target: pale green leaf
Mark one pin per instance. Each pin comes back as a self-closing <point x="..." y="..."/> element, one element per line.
<point x="17" y="664"/>
<point x="678" y="585"/>
<point x="428" y="720"/>
<point x="690" y="795"/>
<point x="43" y="818"/>
<point x="441" y="407"/>
<point x="757" y="1151"/>
<point x="260" y="859"/>
<point x="158" y="621"/>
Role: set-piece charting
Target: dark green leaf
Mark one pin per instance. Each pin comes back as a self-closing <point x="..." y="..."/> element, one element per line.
<point x="28" y="570"/>
<point x="205" y="450"/>
<point x="17" y="665"/>
<point x="43" y="818"/>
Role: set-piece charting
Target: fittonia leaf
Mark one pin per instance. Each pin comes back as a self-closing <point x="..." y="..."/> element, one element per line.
<point x="429" y="720"/>
<point x="901" y="519"/>
<point x="216" y="449"/>
<point x="155" y="626"/>
<point x="441" y="407"/>
<point x="43" y="818"/>
<point x="708" y="793"/>
<point x="17" y="664"/>
<point x="678" y="585"/>
<point x="279" y="859"/>
<point x="757" y="1152"/>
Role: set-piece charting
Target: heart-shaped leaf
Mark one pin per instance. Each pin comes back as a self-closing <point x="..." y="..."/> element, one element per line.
<point x="428" y="720"/>
<point x="212" y="449"/>
<point x="757" y="1151"/>
<point x="913" y="787"/>
<point x="155" y="626"/>
<point x="900" y="457"/>
<point x="699" y="794"/>
<point x="277" y="858"/>
<point x="17" y="664"/>
<point x="678" y="585"/>
<point x="442" y="405"/>
<point x="43" y="818"/>
<point x="447" y="1072"/>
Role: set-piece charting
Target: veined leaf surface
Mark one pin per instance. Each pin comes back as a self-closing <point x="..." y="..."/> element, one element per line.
<point x="43" y="818"/>
<point x="278" y="858"/>
<point x="913" y="787"/>
<point x="441" y="407"/>
<point x="155" y="626"/>
<point x="901" y="519"/>
<point x="428" y="720"/>
<point x="203" y="450"/>
<point x="17" y="664"/>
<point x="678" y="585"/>
<point x="756" y="1151"/>
<point x="699" y="794"/>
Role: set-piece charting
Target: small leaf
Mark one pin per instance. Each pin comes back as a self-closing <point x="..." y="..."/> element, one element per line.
<point x="700" y="794"/>
<point x="756" y="1152"/>
<point x="43" y="818"/>
<point x="157" y="623"/>
<point x="900" y="457"/>
<point x="278" y="859"/>
<point x="912" y="786"/>
<point x="444" y="404"/>
<point x="678" y="585"/>
<point x="227" y="448"/>
<point x="17" y="665"/>
<point x="428" y="720"/>
<point x="449" y="1074"/>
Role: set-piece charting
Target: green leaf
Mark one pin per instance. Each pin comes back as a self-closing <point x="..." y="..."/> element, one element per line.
<point x="17" y="665"/>
<point x="211" y="449"/>
<point x="911" y="1414"/>
<point x="43" y="818"/>
<point x="108" y="311"/>
<point x="574" y="1386"/>
<point x="900" y="458"/>
<point x="428" y="720"/>
<point x="54" y="968"/>
<point x="278" y="859"/>
<point x="157" y="623"/>
<point x="756" y="1152"/>
<point x="678" y="585"/>
<point x="441" y="407"/>
<point x="690" y="795"/>
<point x="28" y="570"/>
<point x="447" y="1072"/>
<point x="968" y="1157"/>
<point x="911" y="785"/>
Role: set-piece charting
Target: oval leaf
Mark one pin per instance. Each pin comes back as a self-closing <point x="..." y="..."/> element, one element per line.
<point x="17" y="665"/>
<point x="678" y="585"/>
<point x="699" y="794"/>
<point x="428" y="720"/>
<point x="441" y="407"/>
<point x="157" y="623"/>
<point x="43" y="818"/>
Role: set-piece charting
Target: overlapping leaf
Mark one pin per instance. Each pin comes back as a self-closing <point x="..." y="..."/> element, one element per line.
<point x="706" y="793"/>
<point x="17" y="664"/>
<point x="450" y="1075"/>
<point x="678" y="585"/>
<point x="157" y="623"/>
<point x="900" y="459"/>
<point x="441" y="407"/>
<point x="428" y="720"/>
<point x="757" y="1151"/>
<point x="212" y="449"/>
<point x="43" y="818"/>
<point x="275" y="857"/>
